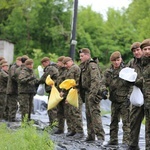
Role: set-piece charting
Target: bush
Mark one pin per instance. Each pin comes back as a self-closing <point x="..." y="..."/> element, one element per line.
<point x="25" y="138"/>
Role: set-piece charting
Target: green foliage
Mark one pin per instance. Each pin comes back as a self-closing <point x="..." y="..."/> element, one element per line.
<point x="46" y="25"/>
<point x="25" y="138"/>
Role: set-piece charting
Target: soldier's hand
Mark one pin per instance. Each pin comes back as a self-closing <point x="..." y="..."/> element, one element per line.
<point x="61" y="94"/>
<point x="105" y="94"/>
<point x="66" y="102"/>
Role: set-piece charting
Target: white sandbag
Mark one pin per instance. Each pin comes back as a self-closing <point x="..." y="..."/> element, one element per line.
<point x="128" y="74"/>
<point x="41" y="90"/>
<point x="136" y="97"/>
<point x="40" y="71"/>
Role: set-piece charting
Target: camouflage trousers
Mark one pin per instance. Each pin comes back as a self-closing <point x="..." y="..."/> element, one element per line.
<point x="61" y="115"/>
<point x="93" y="116"/>
<point x="2" y="105"/>
<point x="26" y="105"/>
<point x="147" y="128"/>
<point x="73" y="117"/>
<point x="136" y="117"/>
<point x="119" y="111"/>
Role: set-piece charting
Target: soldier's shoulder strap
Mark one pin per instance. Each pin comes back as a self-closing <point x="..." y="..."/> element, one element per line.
<point x="96" y="61"/>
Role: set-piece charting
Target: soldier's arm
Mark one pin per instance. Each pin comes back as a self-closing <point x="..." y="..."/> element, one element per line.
<point x="95" y="79"/>
<point x="24" y="77"/>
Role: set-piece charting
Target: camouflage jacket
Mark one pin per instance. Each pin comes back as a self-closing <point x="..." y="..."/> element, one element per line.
<point x="53" y="72"/>
<point x="12" y="86"/>
<point x="118" y="88"/>
<point x="90" y="77"/>
<point x="137" y="65"/>
<point x="27" y="82"/>
<point x="3" y="81"/>
<point x="17" y="72"/>
<point x="61" y="77"/>
<point x="146" y="80"/>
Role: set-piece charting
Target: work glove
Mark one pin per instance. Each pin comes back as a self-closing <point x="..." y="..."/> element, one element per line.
<point x="105" y="94"/>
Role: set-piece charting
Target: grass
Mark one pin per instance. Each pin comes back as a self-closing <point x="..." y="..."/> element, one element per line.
<point x="24" y="138"/>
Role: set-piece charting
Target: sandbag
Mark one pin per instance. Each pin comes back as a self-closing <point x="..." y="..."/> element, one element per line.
<point x="72" y="97"/>
<point x="41" y="90"/>
<point x="49" y="81"/>
<point x="128" y="74"/>
<point x="67" y="84"/>
<point x="136" y="97"/>
<point x="54" y="98"/>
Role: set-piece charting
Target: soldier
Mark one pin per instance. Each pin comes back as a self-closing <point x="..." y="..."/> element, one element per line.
<point x="61" y="106"/>
<point x="53" y="72"/>
<point x="145" y="81"/>
<point x="73" y="115"/>
<point x="119" y="92"/>
<point x="17" y="72"/>
<point x="23" y="59"/>
<point x="12" y="91"/>
<point x="137" y="113"/>
<point x="3" y="87"/>
<point x="27" y="86"/>
<point x="3" y="61"/>
<point x="89" y="87"/>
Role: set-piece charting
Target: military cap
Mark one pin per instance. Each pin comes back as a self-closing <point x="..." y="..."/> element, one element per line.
<point x="84" y="50"/>
<point x="1" y="58"/>
<point x="25" y="56"/>
<point x="4" y="64"/>
<point x="44" y="59"/>
<point x="66" y="59"/>
<point x="145" y="43"/>
<point x="28" y="62"/>
<point x="61" y="58"/>
<point x="19" y="58"/>
<point x="3" y="61"/>
<point x="115" y="55"/>
<point x="135" y="45"/>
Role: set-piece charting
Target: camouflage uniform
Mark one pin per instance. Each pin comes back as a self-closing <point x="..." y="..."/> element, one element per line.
<point x="61" y="105"/>
<point x="3" y="87"/>
<point x="119" y="90"/>
<point x="73" y="115"/>
<point x="146" y="92"/>
<point x="27" y="86"/>
<point x="90" y="85"/>
<point x="53" y="72"/>
<point x="137" y="113"/>
<point x="12" y="93"/>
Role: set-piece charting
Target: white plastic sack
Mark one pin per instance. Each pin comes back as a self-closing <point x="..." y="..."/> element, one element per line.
<point x="128" y="74"/>
<point x="41" y="90"/>
<point x="136" y="97"/>
<point x="40" y="71"/>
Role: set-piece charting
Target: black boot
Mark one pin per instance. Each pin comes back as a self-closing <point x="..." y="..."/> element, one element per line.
<point x="72" y="133"/>
<point x="90" y="138"/>
<point x="58" y="132"/>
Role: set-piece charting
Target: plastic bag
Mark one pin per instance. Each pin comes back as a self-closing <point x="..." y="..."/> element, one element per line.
<point x="72" y="97"/>
<point x="128" y="74"/>
<point x="41" y="90"/>
<point x="40" y="71"/>
<point x="54" y="98"/>
<point x="49" y="81"/>
<point x="136" y="97"/>
<point x="67" y="84"/>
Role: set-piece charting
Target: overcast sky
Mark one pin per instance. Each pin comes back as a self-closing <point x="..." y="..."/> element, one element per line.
<point x="102" y="5"/>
